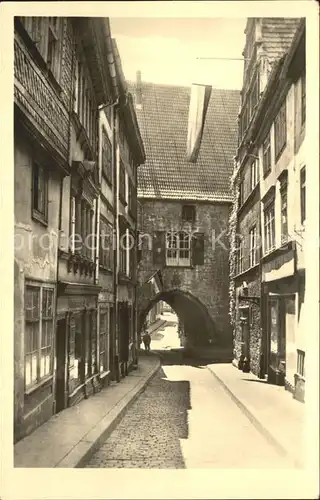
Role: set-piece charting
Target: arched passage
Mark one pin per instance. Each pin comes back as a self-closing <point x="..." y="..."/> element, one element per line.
<point x="198" y="324"/>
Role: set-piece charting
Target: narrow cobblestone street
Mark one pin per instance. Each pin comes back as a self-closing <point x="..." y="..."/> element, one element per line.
<point x="185" y="419"/>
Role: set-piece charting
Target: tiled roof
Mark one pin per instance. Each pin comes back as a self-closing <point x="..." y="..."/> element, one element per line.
<point x="163" y="122"/>
<point x="277" y="35"/>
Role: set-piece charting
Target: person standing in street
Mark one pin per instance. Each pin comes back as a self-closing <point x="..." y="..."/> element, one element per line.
<point x="146" y="340"/>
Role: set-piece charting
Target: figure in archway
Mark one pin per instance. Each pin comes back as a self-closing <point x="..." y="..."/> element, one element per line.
<point x="146" y="338"/>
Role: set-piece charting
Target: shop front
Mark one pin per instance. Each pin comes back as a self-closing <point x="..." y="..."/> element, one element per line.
<point x="281" y="287"/>
<point x="77" y="360"/>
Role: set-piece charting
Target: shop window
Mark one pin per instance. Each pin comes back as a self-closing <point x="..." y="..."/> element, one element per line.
<point x="75" y="351"/>
<point x="104" y="341"/>
<point x="38" y="333"/>
<point x="178" y="248"/>
<point x="280" y="130"/>
<point x="93" y="342"/>
<point x="40" y="193"/>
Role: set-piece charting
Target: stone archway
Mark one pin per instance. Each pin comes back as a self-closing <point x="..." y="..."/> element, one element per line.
<point x="198" y="325"/>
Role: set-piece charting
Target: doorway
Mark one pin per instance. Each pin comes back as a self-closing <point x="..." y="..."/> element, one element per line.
<point x="245" y="338"/>
<point x="61" y="392"/>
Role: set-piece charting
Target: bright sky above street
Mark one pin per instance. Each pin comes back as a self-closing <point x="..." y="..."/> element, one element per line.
<point x="166" y="49"/>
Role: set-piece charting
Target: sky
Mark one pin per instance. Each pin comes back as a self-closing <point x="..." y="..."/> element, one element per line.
<point x="165" y="50"/>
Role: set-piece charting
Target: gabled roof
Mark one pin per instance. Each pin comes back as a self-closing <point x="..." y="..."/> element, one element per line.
<point x="163" y="122"/>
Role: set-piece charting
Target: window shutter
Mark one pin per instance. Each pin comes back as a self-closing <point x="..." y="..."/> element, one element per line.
<point x="198" y="249"/>
<point x="158" y="248"/>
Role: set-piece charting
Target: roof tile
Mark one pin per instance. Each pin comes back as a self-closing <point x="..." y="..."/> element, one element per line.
<point x="163" y="122"/>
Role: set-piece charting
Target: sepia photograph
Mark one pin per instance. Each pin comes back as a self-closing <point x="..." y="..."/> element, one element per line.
<point x="162" y="280"/>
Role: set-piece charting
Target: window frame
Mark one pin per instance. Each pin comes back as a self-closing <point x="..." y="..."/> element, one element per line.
<point x="106" y="152"/>
<point x="106" y="255"/>
<point x="37" y="214"/>
<point x="239" y="255"/>
<point x="303" y="198"/>
<point x="301" y="363"/>
<point x="104" y="341"/>
<point x="254" y="174"/>
<point x="122" y="182"/>
<point x="253" y="237"/>
<point x="192" y="212"/>
<point x="269" y="227"/>
<point x="284" y="211"/>
<point x="40" y="319"/>
<point x="266" y="155"/>
<point x="241" y="193"/>
<point x="181" y="247"/>
<point x="280" y="130"/>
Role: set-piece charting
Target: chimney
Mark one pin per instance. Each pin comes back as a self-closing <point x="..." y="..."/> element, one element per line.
<point x="138" y="90"/>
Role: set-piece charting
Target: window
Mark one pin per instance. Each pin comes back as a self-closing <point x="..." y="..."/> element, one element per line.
<point x="303" y="98"/>
<point x="104" y="341"/>
<point x="54" y="42"/>
<point x="284" y="211"/>
<point x="188" y="213"/>
<point x="178" y="248"/>
<point x="132" y="199"/>
<point x="75" y="351"/>
<point x="82" y="229"/>
<point x="106" y="245"/>
<point x="253" y="246"/>
<point x="93" y="368"/>
<point x="122" y="182"/>
<point x="87" y="229"/>
<point x="106" y="157"/>
<point x="254" y="95"/>
<point x="300" y="363"/>
<point x="254" y="174"/>
<point x="280" y="130"/>
<point x="45" y="32"/>
<point x="269" y="227"/>
<point x="266" y="162"/>
<point x="241" y="193"/>
<point x="239" y="255"/>
<point x="40" y="193"/>
<point x="123" y="244"/>
<point x="303" y="194"/>
<point x="38" y="333"/>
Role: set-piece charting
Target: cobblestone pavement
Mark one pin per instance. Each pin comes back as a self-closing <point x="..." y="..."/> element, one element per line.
<point x="185" y="419"/>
